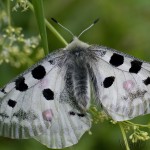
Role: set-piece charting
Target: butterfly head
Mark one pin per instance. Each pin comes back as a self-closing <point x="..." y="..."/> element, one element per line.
<point x="76" y="43"/>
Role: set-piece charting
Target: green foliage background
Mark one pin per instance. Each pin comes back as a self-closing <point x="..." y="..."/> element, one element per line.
<point x="124" y="25"/>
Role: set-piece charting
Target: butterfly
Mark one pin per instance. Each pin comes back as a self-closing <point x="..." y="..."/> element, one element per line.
<point x="49" y="101"/>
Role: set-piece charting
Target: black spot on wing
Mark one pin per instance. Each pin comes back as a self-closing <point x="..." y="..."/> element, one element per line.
<point x="3" y="90"/>
<point x="20" y="84"/>
<point x="116" y="60"/>
<point x="48" y="94"/>
<point x="108" y="81"/>
<point x="72" y="113"/>
<point x="11" y="103"/>
<point x="147" y="81"/>
<point x="135" y="66"/>
<point x="38" y="72"/>
<point x="81" y="115"/>
<point x="51" y="62"/>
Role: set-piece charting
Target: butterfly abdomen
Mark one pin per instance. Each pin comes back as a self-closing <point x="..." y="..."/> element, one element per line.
<point x="81" y="85"/>
<point x="77" y="60"/>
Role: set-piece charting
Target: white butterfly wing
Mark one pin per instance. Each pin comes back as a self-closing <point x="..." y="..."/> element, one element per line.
<point x="123" y="83"/>
<point x="66" y="129"/>
<point x="32" y="106"/>
<point x="68" y="124"/>
<point x="22" y="101"/>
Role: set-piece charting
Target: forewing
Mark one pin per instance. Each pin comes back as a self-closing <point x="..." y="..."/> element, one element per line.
<point x="24" y="100"/>
<point x="122" y="83"/>
<point x="36" y="104"/>
<point x="70" y="124"/>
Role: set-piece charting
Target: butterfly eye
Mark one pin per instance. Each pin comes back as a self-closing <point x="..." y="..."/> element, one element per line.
<point x="128" y="85"/>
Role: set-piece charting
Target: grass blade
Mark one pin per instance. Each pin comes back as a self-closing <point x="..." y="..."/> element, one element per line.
<point x="39" y="13"/>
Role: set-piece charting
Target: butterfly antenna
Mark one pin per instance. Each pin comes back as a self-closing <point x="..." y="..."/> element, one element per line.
<point x="62" y="26"/>
<point x="89" y="27"/>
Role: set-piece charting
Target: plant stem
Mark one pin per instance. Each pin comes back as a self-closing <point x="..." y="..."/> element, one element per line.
<point x="51" y="28"/>
<point x="39" y="13"/>
<point x="135" y="124"/>
<point x="8" y="12"/>
<point x="54" y="31"/>
<point x="124" y="136"/>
